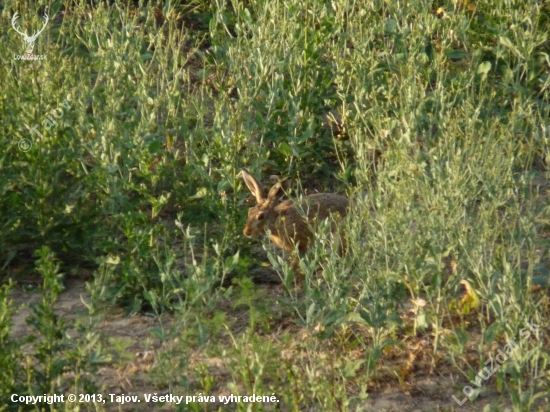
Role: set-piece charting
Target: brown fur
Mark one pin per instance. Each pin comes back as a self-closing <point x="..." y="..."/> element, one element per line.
<point x="284" y="220"/>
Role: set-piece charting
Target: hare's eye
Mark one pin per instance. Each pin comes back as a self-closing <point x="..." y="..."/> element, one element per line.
<point x="261" y="216"/>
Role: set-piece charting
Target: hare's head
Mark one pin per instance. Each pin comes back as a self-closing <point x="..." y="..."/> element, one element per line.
<point x="262" y="215"/>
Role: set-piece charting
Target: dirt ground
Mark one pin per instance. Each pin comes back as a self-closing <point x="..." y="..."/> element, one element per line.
<point x="128" y="375"/>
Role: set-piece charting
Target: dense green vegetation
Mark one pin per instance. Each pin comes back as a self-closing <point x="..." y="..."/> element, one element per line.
<point x="432" y="116"/>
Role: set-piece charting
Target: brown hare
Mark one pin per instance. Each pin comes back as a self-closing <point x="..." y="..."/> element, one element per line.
<point x="287" y="224"/>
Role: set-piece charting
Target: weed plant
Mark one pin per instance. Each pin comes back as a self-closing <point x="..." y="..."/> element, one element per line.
<point x="433" y="117"/>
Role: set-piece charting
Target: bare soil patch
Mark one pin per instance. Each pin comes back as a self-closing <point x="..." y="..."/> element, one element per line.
<point x="421" y="391"/>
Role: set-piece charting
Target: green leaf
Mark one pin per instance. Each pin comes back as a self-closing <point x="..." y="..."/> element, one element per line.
<point x="146" y="56"/>
<point x="148" y="296"/>
<point x="113" y="260"/>
<point x="505" y="41"/>
<point x="421" y="321"/>
<point x="284" y="148"/>
<point x="223" y="185"/>
<point x="202" y="192"/>
<point x="310" y="311"/>
<point x="456" y="54"/>
<point x="154" y="147"/>
<point x="484" y="68"/>
<point x="351" y="368"/>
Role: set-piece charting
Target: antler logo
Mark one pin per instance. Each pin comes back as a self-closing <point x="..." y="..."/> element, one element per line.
<point x="29" y="39"/>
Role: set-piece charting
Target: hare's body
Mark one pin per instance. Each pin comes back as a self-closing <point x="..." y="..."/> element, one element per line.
<point x="289" y="223"/>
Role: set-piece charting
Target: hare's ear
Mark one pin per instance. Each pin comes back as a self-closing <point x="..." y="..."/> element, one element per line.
<point x="253" y="185"/>
<point x="276" y="190"/>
